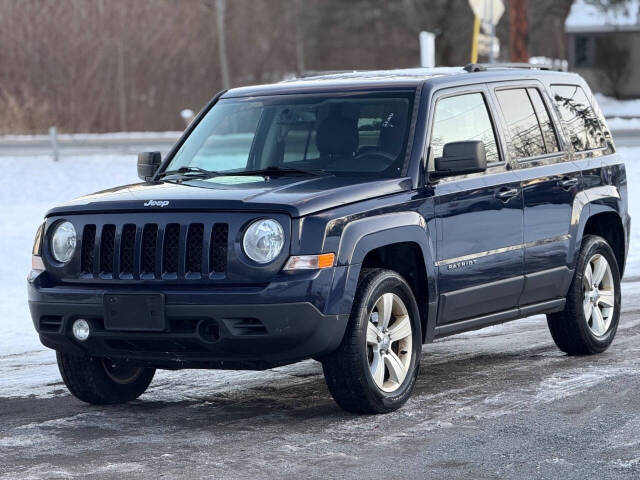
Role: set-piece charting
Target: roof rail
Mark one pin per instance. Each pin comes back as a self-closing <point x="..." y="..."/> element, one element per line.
<point x="483" y="67"/>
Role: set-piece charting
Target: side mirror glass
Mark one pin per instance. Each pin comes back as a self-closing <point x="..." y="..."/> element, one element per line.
<point x="461" y="158"/>
<point x="148" y="164"/>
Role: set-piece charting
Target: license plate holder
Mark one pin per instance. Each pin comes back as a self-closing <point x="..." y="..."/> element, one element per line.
<point x="135" y="312"/>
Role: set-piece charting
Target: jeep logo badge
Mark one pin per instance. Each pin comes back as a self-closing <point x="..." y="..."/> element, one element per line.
<point x="156" y="203"/>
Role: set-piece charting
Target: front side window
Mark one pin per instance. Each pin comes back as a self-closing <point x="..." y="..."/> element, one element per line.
<point x="342" y="134"/>
<point x="579" y="118"/>
<point x="462" y="118"/>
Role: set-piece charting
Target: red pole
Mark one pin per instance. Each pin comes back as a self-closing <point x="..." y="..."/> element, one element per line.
<point x="518" y="31"/>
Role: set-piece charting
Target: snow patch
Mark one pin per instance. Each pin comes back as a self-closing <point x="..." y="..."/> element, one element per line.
<point x="586" y="17"/>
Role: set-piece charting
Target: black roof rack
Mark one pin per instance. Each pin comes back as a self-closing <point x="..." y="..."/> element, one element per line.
<point x="483" y="67"/>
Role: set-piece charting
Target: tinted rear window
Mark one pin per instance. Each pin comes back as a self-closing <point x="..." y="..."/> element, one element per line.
<point x="579" y="118"/>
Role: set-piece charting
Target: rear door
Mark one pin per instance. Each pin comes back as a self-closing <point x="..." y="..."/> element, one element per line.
<point x="479" y="217"/>
<point x="550" y="182"/>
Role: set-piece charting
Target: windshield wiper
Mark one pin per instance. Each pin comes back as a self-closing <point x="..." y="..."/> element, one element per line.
<point x="278" y="170"/>
<point x="188" y="172"/>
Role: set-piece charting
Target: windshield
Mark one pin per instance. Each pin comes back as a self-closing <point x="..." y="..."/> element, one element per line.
<point x="339" y="134"/>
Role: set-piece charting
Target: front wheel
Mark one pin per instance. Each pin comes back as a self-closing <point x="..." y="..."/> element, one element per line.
<point x="589" y="321"/>
<point x="375" y="367"/>
<point x="99" y="381"/>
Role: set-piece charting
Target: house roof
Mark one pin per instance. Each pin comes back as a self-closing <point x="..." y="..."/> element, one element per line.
<point x="588" y="18"/>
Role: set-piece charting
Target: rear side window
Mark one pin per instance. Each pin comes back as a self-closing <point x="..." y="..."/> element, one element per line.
<point x="522" y="122"/>
<point x="578" y="116"/>
<point x="460" y="118"/>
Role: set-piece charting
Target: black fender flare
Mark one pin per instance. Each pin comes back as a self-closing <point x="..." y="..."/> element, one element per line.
<point x="588" y="203"/>
<point x="362" y="236"/>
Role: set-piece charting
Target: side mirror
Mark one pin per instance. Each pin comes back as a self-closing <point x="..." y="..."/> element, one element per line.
<point x="148" y="164"/>
<point x="461" y="158"/>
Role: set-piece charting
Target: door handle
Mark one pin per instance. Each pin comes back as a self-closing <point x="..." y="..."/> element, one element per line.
<point x="568" y="182"/>
<point x="506" y="194"/>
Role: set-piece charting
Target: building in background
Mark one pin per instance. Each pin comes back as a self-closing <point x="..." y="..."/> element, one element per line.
<point x="604" y="46"/>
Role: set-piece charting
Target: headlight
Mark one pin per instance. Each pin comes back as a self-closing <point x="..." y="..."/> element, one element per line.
<point x="63" y="242"/>
<point x="263" y="240"/>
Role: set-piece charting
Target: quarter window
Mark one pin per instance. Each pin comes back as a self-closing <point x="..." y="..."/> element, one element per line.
<point x="461" y="118"/>
<point x="578" y="116"/>
<point x="522" y="123"/>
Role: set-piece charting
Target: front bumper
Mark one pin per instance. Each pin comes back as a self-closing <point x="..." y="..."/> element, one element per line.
<point x="243" y="328"/>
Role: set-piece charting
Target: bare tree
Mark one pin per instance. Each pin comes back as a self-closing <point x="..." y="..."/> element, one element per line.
<point x="98" y="65"/>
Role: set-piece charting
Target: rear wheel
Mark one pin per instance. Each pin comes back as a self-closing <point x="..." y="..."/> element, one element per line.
<point x="589" y="322"/>
<point x="375" y="368"/>
<point x="100" y="381"/>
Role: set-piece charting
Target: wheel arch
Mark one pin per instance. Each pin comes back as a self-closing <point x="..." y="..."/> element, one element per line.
<point x="396" y="241"/>
<point x="608" y="225"/>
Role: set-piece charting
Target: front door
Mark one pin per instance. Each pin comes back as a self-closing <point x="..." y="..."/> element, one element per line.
<point x="479" y="217"/>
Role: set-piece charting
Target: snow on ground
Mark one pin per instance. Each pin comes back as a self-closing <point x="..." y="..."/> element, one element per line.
<point x="31" y="187"/>
<point x="613" y="107"/>
<point x="34" y="184"/>
<point x="617" y="124"/>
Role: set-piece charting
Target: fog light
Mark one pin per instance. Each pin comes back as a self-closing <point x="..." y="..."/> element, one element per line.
<point x="81" y="329"/>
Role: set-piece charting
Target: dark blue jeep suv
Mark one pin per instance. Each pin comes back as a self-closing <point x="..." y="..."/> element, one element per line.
<point x="348" y="218"/>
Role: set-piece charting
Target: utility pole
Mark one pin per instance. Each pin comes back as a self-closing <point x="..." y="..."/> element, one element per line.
<point x="222" y="44"/>
<point x="518" y="31"/>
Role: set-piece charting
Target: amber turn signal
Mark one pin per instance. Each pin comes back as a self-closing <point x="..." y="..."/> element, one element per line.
<point x="310" y="262"/>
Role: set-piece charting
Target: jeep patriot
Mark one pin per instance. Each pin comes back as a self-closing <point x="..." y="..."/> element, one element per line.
<point x="349" y="218"/>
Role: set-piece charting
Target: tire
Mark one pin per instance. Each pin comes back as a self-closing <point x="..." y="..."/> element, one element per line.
<point x="571" y="330"/>
<point x="348" y="370"/>
<point x="99" y="382"/>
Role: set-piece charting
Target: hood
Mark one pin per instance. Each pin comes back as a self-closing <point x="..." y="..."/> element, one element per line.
<point x="297" y="196"/>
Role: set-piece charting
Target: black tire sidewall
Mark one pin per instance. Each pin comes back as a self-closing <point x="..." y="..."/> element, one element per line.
<point x="596" y="245"/>
<point x="390" y="282"/>
<point x="87" y="380"/>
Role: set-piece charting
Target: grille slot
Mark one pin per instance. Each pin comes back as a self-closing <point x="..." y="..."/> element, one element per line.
<point x="107" y="247"/>
<point x="88" y="248"/>
<point x="171" y="248"/>
<point x="149" y="246"/>
<point x="127" y="248"/>
<point x="194" y="248"/>
<point x="219" y="241"/>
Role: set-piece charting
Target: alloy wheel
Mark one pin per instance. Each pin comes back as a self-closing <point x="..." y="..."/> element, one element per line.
<point x="389" y="342"/>
<point x="599" y="295"/>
